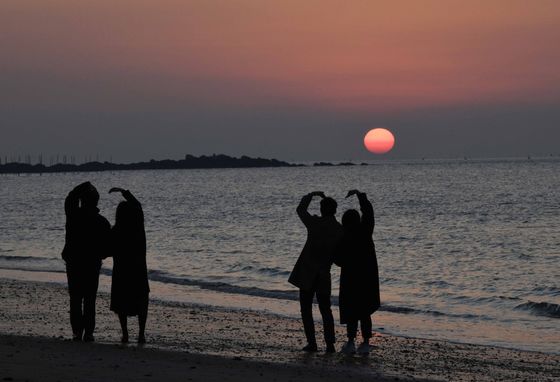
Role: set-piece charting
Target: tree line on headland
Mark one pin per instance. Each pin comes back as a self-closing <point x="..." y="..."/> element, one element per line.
<point x="189" y="162"/>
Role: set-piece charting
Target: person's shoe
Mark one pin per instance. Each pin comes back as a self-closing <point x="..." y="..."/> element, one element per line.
<point x="124" y="339"/>
<point x="330" y="348"/>
<point x="77" y="337"/>
<point x="349" y="348"/>
<point x="310" y="348"/>
<point x="141" y="340"/>
<point x="364" y="348"/>
<point x="89" y="338"/>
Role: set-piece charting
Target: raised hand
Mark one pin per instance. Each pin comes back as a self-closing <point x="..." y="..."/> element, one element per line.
<point x="352" y="192"/>
<point x="116" y="189"/>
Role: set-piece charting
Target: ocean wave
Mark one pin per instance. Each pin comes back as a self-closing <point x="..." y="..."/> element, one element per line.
<point x="484" y="299"/>
<point x="34" y="269"/>
<point x="38" y="264"/>
<point x="274" y="271"/>
<point x="268" y="271"/>
<point x="435" y="313"/>
<point x="291" y="295"/>
<point x="546" y="309"/>
<point x="56" y="265"/>
<point x="26" y="258"/>
<point x="551" y="290"/>
<point x="438" y="283"/>
<point x="164" y="277"/>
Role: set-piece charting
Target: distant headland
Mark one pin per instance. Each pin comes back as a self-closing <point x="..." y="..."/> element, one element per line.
<point x="189" y="162"/>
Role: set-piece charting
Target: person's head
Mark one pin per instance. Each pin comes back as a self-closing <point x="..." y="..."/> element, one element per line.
<point x="328" y="207"/>
<point x="127" y="215"/>
<point x="351" y="220"/>
<point x="90" y="196"/>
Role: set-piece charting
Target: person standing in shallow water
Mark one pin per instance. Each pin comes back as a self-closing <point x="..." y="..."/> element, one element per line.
<point x="129" y="288"/>
<point x="359" y="280"/>
<point x="87" y="234"/>
<point x="311" y="274"/>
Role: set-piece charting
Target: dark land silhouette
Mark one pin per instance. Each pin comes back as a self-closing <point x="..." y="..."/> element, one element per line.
<point x="189" y="162"/>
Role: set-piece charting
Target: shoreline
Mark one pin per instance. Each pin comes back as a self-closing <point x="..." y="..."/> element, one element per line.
<point x="385" y="322"/>
<point x="31" y="312"/>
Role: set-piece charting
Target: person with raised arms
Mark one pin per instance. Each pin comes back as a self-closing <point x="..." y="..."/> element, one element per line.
<point x="129" y="287"/>
<point x="86" y="244"/>
<point x="359" y="280"/>
<point x="311" y="273"/>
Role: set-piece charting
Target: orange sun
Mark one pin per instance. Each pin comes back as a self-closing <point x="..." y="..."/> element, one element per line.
<point x="379" y="141"/>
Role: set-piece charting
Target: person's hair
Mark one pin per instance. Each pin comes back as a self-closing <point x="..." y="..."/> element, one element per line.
<point x="128" y="216"/>
<point x="328" y="207"/>
<point x="351" y="220"/>
<point x="90" y="197"/>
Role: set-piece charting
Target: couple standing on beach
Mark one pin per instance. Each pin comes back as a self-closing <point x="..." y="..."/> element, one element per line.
<point x="89" y="240"/>
<point x="350" y="246"/>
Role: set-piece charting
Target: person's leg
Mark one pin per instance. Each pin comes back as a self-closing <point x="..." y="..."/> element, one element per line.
<point x="365" y="323"/>
<point x="142" y="317"/>
<point x="89" y="316"/>
<point x="324" y="300"/>
<point x="306" y="307"/>
<point x="76" y="296"/>
<point x="351" y="330"/>
<point x="366" y="326"/>
<point x="124" y="327"/>
<point x="89" y="303"/>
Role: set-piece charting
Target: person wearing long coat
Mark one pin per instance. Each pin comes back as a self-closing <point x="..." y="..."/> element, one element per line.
<point x="311" y="274"/>
<point x="359" y="279"/>
<point x="129" y="288"/>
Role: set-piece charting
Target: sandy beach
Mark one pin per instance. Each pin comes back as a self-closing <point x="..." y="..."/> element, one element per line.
<point x="197" y="342"/>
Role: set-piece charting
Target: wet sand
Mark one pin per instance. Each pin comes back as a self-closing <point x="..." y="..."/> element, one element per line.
<point x="196" y="342"/>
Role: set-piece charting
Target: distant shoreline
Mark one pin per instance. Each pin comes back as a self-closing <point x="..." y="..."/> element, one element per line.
<point x="221" y="161"/>
<point x="189" y="162"/>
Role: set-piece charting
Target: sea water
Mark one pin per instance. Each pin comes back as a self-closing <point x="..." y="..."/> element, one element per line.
<point x="468" y="251"/>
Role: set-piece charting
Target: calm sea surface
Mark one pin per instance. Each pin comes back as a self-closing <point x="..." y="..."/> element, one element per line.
<point x="468" y="251"/>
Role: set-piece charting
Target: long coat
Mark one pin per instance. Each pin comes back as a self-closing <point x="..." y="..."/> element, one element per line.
<point x="129" y="287"/>
<point x="359" y="278"/>
<point x="312" y="269"/>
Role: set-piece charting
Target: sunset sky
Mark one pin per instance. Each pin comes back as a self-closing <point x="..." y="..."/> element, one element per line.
<point x="294" y="80"/>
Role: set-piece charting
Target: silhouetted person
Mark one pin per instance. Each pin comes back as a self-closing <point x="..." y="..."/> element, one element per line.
<point x="359" y="279"/>
<point x="311" y="274"/>
<point x="87" y="234"/>
<point x="129" y="288"/>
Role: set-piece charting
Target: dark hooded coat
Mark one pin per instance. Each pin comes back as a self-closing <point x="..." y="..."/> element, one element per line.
<point x="359" y="278"/>
<point x="129" y="287"/>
